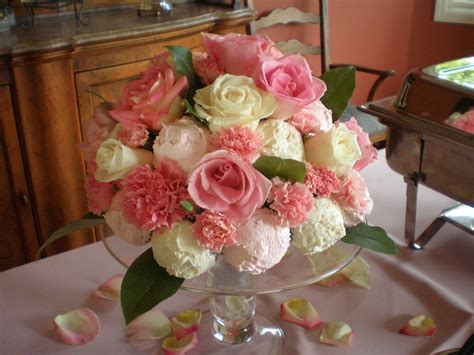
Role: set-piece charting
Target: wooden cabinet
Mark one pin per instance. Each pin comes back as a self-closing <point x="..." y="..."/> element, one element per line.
<point x="46" y="101"/>
<point x="18" y="243"/>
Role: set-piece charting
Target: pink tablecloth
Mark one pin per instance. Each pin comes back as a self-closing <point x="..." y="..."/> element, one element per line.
<point x="437" y="281"/>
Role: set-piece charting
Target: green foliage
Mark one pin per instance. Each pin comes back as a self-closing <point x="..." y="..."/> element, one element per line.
<point x="287" y="169"/>
<point x="370" y="237"/>
<point x="188" y="206"/>
<point x="88" y="221"/>
<point x="145" y="285"/>
<point x="183" y="61"/>
<point x="340" y="84"/>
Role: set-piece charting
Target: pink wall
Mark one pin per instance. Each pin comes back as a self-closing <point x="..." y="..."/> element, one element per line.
<point x="385" y="34"/>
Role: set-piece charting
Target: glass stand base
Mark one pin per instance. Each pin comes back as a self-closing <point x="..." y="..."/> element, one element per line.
<point x="267" y="338"/>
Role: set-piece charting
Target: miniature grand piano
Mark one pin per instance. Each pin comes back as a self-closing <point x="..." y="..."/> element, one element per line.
<point x="424" y="149"/>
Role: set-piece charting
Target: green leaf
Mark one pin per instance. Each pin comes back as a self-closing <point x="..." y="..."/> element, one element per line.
<point x="183" y="61"/>
<point x="340" y="84"/>
<point x="370" y="237"/>
<point x="189" y="110"/>
<point x="145" y="285"/>
<point x="188" y="206"/>
<point x="288" y="169"/>
<point x="88" y="221"/>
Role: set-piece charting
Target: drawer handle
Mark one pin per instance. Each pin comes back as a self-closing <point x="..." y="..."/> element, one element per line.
<point x="24" y="199"/>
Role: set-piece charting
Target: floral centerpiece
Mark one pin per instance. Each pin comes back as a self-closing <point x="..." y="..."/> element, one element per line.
<point x="228" y="153"/>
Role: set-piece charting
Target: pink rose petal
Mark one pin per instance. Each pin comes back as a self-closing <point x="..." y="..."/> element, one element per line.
<point x="110" y="289"/>
<point x="300" y="311"/>
<point x="185" y="322"/>
<point x="334" y="280"/>
<point x="77" y="327"/>
<point x="173" y="346"/>
<point x="150" y="325"/>
<point x="420" y="325"/>
<point x="336" y="333"/>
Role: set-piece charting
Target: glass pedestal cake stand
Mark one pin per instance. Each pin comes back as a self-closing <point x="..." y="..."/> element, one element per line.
<point x="232" y="323"/>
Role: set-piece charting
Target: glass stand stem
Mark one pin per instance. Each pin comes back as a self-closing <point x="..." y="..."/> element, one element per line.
<point x="233" y="318"/>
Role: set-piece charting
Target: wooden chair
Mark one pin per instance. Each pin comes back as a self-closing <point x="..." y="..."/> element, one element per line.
<point x="291" y="15"/>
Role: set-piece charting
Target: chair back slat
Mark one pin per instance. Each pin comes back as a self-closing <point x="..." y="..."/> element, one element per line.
<point x="286" y="16"/>
<point x="294" y="46"/>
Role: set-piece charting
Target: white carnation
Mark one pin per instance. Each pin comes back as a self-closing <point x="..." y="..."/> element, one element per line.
<point x="179" y="253"/>
<point x="324" y="226"/>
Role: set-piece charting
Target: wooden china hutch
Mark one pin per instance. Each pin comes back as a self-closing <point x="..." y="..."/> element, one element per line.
<point x="46" y="78"/>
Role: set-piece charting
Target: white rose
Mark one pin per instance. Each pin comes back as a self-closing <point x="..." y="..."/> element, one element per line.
<point x="121" y="227"/>
<point x="233" y="101"/>
<point x="179" y="253"/>
<point x="184" y="141"/>
<point x="281" y="140"/>
<point x="336" y="149"/>
<point x="323" y="227"/>
<point x="114" y="160"/>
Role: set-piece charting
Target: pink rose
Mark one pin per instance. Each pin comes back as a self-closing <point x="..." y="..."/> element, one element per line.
<point x="464" y="122"/>
<point x="353" y="198"/>
<point x="223" y="182"/>
<point x="96" y="132"/>
<point x="369" y="153"/>
<point x="312" y="119"/>
<point x="241" y="140"/>
<point x="133" y="136"/>
<point x="152" y="99"/>
<point x="99" y="195"/>
<point x="289" y="79"/>
<point x="292" y="202"/>
<point x="213" y="230"/>
<point x="206" y="67"/>
<point x="236" y="53"/>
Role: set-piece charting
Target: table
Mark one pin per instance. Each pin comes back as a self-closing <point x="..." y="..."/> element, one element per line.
<point x="437" y="281"/>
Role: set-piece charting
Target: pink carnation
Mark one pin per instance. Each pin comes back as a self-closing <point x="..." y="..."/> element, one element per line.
<point x="206" y="67"/>
<point x="152" y="197"/>
<point x="213" y="230"/>
<point x="369" y="153"/>
<point x="464" y="122"/>
<point x="321" y="181"/>
<point x="312" y="119"/>
<point x="240" y="140"/>
<point x="134" y="135"/>
<point x="291" y="201"/>
<point x="353" y="198"/>
<point x="99" y="195"/>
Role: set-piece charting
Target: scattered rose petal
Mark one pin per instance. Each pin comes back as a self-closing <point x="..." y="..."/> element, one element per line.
<point x="77" y="327"/>
<point x="420" y="325"/>
<point x="173" y="346"/>
<point x="358" y="272"/>
<point x="110" y="289"/>
<point x="300" y="311"/>
<point x="336" y="333"/>
<point x="150" y="325"/>
<point x="185" y="322"/>
<point x="334" y="280"/>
